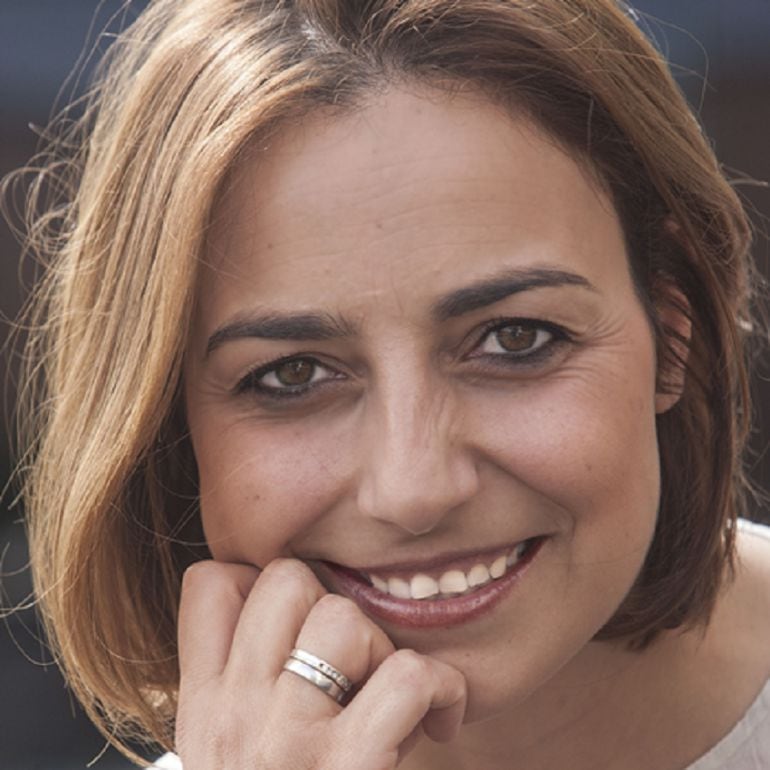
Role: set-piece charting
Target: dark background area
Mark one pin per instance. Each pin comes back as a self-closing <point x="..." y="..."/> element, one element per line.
<point x="720" y="52"/>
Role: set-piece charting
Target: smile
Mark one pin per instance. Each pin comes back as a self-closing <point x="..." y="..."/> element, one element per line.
<point x="430" y="598"/>
<point x="453" y="582"/>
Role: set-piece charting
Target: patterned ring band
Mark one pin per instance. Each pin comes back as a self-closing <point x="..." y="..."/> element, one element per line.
<point x="321" y="665"/>
<point x="315" y="677"/>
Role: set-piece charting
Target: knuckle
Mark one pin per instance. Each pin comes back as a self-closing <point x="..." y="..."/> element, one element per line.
<point x="201" y="573"/>
<point x="291" y="578"/>
<point x="223" y="579"/>
<point x="409" y="666"/>
<point x="288" y="571"/>
<point x="344" y="615"/>
<point x="338" y="607"/>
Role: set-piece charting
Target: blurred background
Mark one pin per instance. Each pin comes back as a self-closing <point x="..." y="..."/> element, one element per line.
<point x="720" y="53"/>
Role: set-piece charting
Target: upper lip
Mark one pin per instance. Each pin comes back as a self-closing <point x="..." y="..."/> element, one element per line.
<point x="431" y="563"/>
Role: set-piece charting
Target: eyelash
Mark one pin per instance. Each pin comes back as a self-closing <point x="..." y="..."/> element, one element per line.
<point x="251" y="382"/>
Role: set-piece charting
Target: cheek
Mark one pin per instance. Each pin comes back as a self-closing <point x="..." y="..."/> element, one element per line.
<point x="587" y="443"/>
<point x="260" y="487"/>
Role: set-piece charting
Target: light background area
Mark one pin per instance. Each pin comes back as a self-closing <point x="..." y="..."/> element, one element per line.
<point x="721" y="55"/>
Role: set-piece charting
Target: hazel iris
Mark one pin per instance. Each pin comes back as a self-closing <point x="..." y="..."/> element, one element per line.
<point x="516" y="338"/>
<point x="297" y="372"/>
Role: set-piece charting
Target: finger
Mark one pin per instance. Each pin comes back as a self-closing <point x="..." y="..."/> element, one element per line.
<point x="406" y="690"/>
<point x="409" y="743"/>
<point x="212" y="598"/>
<point x="271" y="619"/>
<point x="339" y="633"/>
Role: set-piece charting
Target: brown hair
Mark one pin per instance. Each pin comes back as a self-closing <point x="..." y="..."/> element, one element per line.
<point x="109" y="478"/>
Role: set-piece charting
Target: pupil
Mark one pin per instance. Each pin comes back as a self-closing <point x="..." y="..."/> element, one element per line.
<point x="516" y="338"/>
<point x="295" y="373"/>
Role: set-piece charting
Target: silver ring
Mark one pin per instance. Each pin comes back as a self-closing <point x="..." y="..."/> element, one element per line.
<point x="321" y="665"/>
<point x="315" y="677"/>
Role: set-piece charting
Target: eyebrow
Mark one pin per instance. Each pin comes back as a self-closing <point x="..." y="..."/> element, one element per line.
<point x="323" y="326"/>
<point x="282" y="326"/>
<point x="491" y="290"/>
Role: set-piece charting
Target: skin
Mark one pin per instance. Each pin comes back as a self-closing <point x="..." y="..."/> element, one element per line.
<point x="416" y="439"/>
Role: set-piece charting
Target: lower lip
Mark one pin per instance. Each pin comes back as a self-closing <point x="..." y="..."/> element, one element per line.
<point x="427" y="613"/>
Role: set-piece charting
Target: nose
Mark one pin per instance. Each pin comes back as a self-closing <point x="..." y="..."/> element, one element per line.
<point x="416" y="465"/>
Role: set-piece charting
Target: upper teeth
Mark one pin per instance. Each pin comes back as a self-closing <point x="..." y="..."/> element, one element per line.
<point x="453" y="582"/>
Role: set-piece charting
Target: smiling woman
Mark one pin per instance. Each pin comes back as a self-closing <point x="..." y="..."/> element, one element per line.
<point x="393" y="397"/>
<point x="493" y="360"/>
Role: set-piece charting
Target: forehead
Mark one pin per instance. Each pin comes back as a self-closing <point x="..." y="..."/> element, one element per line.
<point x="415" y="186"/>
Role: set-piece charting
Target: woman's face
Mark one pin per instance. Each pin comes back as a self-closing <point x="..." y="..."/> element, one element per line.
<point x="417" y="345"/>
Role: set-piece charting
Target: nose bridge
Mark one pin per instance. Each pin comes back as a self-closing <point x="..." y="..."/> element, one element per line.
<point x="416" y="465"/>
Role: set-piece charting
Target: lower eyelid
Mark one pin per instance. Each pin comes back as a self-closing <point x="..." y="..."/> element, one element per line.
<point x="553" y="351"/>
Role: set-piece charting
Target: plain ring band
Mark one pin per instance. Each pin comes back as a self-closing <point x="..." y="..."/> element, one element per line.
<point x="321" y="665"/>
<point x="315" y="677"/>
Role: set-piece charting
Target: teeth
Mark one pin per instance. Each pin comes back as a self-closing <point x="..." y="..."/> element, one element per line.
<point x="399" y="588"/>
<point x="454" y="582"/>
<point x="478" y="576"/>
<point x="423" y="586"/>
<point x="379" y="583"/>
<point x="498" y="567"/>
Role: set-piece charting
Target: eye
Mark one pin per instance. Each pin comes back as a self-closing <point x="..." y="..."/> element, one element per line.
<point x="287" y="377"/>
<point x="517" y="339"/>
<point x="299" y="371"/>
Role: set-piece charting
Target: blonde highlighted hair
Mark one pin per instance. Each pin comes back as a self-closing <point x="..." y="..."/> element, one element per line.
<point x="108" y="474"/>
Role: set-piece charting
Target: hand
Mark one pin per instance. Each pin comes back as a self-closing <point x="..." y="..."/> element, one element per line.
<point x="239" y="710"/>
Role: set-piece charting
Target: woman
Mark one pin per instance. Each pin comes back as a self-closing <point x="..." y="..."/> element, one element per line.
<point x="390" y="397"/>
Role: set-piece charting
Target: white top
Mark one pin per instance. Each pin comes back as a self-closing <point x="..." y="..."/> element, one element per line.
<point x="745" y="747"/>
<point x="167" y="762"/>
